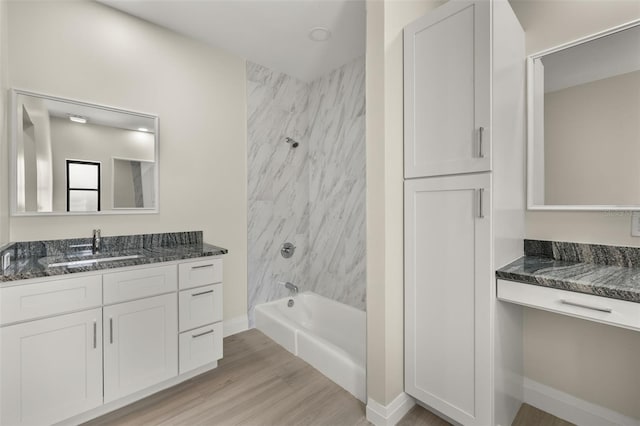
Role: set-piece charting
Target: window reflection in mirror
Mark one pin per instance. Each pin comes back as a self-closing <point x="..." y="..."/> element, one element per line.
<point x="55" y="139"/>
<point x="586" y="123"/>
<point x="83" y="186"/>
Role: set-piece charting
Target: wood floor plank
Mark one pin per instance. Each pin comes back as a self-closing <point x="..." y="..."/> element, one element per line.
<point x="528" y="415"/>
<point x="257" y="383"/>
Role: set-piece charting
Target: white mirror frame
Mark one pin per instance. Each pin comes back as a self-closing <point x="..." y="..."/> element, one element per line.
<point x="14" y="128"/>
<point x="535" y="126"/>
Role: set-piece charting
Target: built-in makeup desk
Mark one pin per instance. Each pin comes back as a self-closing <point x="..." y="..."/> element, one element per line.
<point x="593" y="282"/>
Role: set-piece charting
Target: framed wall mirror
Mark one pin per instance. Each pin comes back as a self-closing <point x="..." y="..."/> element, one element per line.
<point x="584" y="123"/>
<point x="73" y="157"/>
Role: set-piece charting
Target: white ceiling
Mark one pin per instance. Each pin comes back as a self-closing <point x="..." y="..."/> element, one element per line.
<point x="273" y="33"/>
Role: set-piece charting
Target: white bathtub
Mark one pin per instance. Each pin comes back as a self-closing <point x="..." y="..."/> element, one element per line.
<point x="329" y="335"/>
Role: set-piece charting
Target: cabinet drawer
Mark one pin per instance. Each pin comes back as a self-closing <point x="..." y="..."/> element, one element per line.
<point x="24" y="302"/>
<point x="138" y="283"/>
<point x="203" y="272"/>
<point x="200" y="346"/>
<point x="200" y="306"/>
<point x="615" y="312"/>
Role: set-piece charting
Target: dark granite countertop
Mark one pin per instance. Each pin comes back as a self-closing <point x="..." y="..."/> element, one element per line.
<point x="605" y="271"/>
<point x="31" y="259"/>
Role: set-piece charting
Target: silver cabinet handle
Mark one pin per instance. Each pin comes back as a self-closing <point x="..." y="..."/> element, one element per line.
<point x="193" y="336"/>
<point x="481" y="203"/>
<point x="95" y="334"/>
<point x="111" y="330"/>
<point x="582" y="305"/>
<point x="203" y="266"/>
<point x="480" y="142"/>
<point x="202" y="292"/>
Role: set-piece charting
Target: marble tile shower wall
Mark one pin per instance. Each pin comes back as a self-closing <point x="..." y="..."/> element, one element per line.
<point x="278" y="181"/>
<point x="337" y="185"/>
<point x="312" y="195"/>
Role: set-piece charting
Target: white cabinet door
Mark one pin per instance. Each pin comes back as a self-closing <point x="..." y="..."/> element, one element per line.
<point x="51" y="369"/>
<point x="448" y="295"/>
<point x="447" y="91"/>
<point x="140" y="345"/>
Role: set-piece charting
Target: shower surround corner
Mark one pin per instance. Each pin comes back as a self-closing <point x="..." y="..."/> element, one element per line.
<point x="312" y="195"/>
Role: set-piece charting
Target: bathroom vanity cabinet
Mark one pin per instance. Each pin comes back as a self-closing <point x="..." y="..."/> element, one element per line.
<point x="464" y="203"/>
<point x="77" y="347"/>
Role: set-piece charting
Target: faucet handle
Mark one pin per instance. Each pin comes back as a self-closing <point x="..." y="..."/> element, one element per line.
<point x="95" y="244"/>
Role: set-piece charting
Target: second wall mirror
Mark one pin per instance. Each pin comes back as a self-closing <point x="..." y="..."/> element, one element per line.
<point x="584" y="123"/>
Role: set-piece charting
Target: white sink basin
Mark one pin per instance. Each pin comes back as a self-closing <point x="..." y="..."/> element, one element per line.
<point x="72" y="263"/>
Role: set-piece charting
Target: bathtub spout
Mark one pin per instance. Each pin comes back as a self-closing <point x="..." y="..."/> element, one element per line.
<point x="292" y="287"/>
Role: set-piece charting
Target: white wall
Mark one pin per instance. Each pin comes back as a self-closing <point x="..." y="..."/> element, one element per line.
<point x="595" y="362"/>
<point x="606" y="375"/>
<point x="600" y="145"/>
<point x="4" y="169"/>
<point x="87" y="51"/>
<point x="384" y="168"/>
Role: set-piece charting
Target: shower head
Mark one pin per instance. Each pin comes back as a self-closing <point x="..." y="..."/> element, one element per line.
<point x="293" y="143"/>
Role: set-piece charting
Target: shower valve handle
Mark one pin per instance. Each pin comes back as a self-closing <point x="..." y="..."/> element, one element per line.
<point x="287" y="250"/>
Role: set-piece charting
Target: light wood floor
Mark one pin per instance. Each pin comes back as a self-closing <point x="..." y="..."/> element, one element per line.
<point x="256" y="383"/>
<point x="528" y="415"/>
<point x="260" y="383"/>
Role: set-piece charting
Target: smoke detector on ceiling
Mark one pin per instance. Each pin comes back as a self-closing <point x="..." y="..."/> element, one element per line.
<point x="319" y="34"/>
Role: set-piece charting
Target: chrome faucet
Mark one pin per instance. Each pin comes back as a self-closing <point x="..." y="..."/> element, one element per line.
<point x="95" y="245"/>
<point x="292" y="287"/>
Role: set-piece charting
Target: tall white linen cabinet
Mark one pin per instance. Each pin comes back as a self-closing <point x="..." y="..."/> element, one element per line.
<point x="464" y="200"/>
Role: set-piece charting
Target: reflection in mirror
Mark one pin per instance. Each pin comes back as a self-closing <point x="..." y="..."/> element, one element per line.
<point x="133" y="184"/>
<point x="585" y="124"/>
<point x="83" y="186"/>
<point x="70" y="156"/>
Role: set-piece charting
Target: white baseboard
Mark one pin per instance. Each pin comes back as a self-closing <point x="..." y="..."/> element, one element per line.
<point x="572" y="409"/>
<point x="235" y="325"/>
<point x="391" y="414"/>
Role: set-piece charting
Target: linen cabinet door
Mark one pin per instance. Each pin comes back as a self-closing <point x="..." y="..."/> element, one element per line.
<point x="51" y="368"/>
<point x="448" y="295"/>
<point x="447" y="91"/>
<point x="140" y="345"/>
